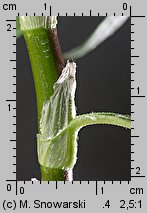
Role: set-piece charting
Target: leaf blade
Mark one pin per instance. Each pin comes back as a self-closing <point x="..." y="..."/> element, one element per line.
<point x="103" y="31"/>
<point x="100" y="118"/>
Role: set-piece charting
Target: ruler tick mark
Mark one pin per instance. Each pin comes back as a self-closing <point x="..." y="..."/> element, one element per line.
<point x="56" y="184"/>
<point x="135" y="56"/>
<point x="11" y="100"/>
<point x="137" y="96"/>
<point x="50" y="11"/>
<point x="11" y="20"/>
<point x="137" y="16"/>
<point x="96" y="187"/>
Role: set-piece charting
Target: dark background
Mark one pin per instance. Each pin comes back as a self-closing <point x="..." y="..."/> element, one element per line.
<point x="103" y="84"/>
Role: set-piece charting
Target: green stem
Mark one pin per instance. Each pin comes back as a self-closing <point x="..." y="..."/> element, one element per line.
<point x="52" y="174"/>
<point x="18" y="31"/>
<point x="55" y="174"/>
<point x="45" y="56"/>
<point x="47" y="63"/>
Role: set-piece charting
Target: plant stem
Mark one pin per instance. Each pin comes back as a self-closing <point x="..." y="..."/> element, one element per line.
<point x="45" y="57"/>
<point x="55" y="174"/>
<point x="18" y="31"/>
<point x="52" y="174"/>
<point x="47" y="63"/>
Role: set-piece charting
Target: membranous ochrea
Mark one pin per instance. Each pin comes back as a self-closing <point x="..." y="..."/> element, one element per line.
<point x="57" y="145"/>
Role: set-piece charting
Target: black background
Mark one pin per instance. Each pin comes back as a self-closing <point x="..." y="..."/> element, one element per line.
<point x="103" y="84"/>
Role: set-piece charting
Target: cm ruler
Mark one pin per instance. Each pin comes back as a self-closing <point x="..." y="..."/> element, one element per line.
<point x="103" y="196"/>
